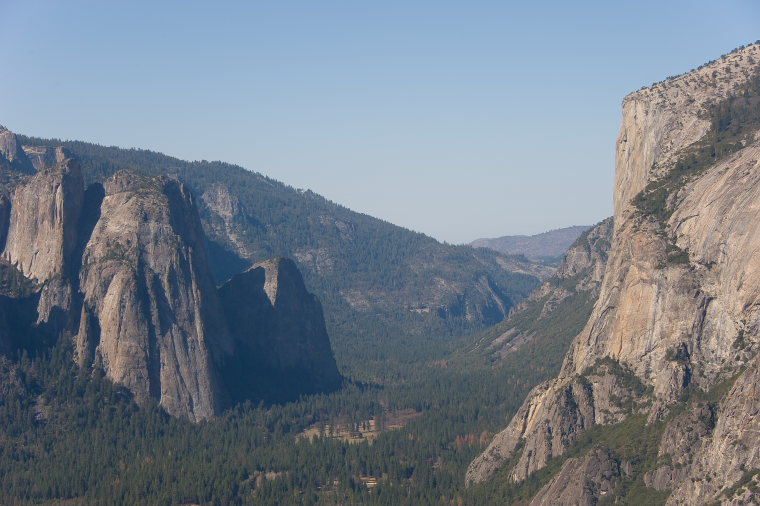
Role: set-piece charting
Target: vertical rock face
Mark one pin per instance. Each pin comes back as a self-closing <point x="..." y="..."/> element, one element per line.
<point x="40" y="234"/>
<point x="279" y="331"/>
<point x="12" y="156"/>
<point x="153" y="320"/>
<point x="122" y="267"/>
<point x="678" y="307"/>
<point x="658" y="122"/>
<point x="43" y="221"/>
<point x="228" y="218"/>
<point x="649" y="304"/>
<point x="145" y="281"/>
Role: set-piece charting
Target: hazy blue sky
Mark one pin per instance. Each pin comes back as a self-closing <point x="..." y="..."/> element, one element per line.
<point x="457" y="119"/>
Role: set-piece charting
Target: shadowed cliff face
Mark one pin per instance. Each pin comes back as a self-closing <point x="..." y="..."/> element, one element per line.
<point x="280" y="333"/>
<point x="122" y="267"/>
<point x="678" y="307"/>
<point x="12" y="156"/>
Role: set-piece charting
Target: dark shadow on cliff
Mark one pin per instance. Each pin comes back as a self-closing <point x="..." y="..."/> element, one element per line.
<point x="223" y="263"/>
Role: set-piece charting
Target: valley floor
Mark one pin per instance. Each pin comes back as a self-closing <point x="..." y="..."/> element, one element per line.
<point x="406" y="437"/>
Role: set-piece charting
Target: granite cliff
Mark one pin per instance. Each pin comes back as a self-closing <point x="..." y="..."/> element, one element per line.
<point x="121" y="269"/>
<point x="279" y="331"/>
<point x="670" y="347"/>
<point x="382" y="287"/>
<point x="151" y="317"/>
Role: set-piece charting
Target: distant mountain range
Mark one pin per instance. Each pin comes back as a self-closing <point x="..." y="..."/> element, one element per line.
<point x="547" y="245"/>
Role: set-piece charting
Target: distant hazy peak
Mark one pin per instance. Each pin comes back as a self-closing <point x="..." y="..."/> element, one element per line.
<point x="553" y="243"/>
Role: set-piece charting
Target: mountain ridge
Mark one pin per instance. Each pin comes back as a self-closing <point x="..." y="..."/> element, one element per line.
<point x="548" y="245"/>
<point x="375" y="280"/>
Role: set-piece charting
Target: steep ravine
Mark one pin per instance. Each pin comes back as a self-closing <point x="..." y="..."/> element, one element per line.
<point x="675" y="327"/>
<point x="556" y="310"/>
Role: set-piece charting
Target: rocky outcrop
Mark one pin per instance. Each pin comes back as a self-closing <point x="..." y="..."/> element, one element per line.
<point x="227" y="218"/>
<point x="728" y="451"/>
<point x="651" y="306"/>
<point x="376" y="279"/>
<point x="152" y="319"/>
<point x="279" y="332"/>
<point x="40" y="221"/>
<point x="680" y="441"/>
<point x="586" y="259"/>
<point x="581" y="270"/>
<point x="583" y="481"/>
<point x="44" y="216"/>
<point x="678" y="306"/>
<point x="146" y="284"/>
<point x="554" y="414"/>
<point x="659" y="121"/>
<point x="12" y="156"/>
<point x="123" y="268"/>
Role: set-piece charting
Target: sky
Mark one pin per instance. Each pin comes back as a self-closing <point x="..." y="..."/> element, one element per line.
<point x="457" y="119"/>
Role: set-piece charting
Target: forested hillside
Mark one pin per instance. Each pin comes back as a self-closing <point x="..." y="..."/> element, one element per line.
<point x="379" y="283"/>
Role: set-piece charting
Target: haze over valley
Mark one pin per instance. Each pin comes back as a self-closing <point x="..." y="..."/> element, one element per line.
<point x="181" y="331"/>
